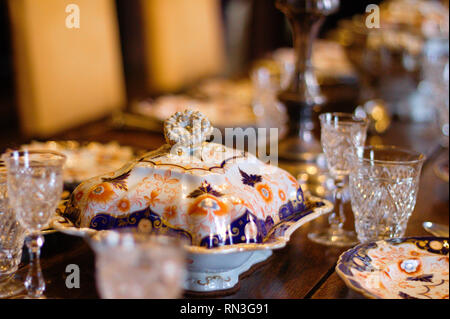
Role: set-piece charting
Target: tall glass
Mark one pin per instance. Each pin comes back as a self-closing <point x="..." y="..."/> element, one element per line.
<point x="12" y="236"/>
<point x="138" y="266"/>
<point x="384" y="182"/>
<point x="35" y="184"/>
<point x="340" y="133"/>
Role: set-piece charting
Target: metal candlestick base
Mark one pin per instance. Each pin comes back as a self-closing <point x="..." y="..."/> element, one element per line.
<point x="302" y="98"/>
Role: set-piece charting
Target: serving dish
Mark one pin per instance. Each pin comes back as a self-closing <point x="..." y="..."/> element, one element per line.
<point x="230" y="207"/>
<point x="400" y="268"/>
<point x="219" y="268"/>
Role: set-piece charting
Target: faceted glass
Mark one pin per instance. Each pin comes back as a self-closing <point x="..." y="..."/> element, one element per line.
<point x="340" y="133"/>
<point x="12" y="236"/>
<point x="384" y="182"/>
<point x="35" y="184"/>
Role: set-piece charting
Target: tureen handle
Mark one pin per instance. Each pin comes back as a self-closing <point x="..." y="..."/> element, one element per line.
<point x="186" y="131"/>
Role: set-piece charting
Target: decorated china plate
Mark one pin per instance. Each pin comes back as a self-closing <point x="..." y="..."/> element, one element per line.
<point x="222" y="112"/>
<point x="400" y="268"/>
<point x="86" y="160"/>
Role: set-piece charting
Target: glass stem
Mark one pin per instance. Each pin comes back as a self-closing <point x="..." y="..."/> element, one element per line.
<point x="337" y="218"/>
<point x="34" y="283"/>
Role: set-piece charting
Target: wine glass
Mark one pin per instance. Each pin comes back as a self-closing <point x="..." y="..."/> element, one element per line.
<point x="35" y="184"/>
<point x="341" y="133"/>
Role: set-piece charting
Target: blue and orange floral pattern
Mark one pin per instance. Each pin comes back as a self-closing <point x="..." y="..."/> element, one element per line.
<point x="220" y="202"/>
<point x="403" y="268"/>
<point x="250" y="179"/>
<point x="120" y="181"/>
<point x="102" y="193"/>
<point x="205" y="188"/>
<point x="265" y="191"/>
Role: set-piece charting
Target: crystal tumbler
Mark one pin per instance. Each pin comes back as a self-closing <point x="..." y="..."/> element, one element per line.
<point x="138" y="266"/>
<point x="384" y="182"/>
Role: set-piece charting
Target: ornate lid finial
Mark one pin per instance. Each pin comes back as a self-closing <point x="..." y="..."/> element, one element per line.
<point x="188" y="129"/>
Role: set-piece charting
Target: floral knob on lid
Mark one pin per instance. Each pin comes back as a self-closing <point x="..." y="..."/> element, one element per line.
<point x="186" y="131"/>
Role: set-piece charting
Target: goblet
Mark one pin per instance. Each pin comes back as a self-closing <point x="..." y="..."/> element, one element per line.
<point x="35" y="184"/>
<point x="12" y="236"/>
<point x="138" y="265"/>
<point x="341" y="134"/>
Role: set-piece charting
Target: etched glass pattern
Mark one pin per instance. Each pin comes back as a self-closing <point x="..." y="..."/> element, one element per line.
<point x="35" y="184"/>
<point x="336" y="140"/>
<point x="11" y="240"/>
<point x="11" y="243"/>
<point x="383" y="196"/>
<point x="341" y="134"/>
<point x="34" y="193"/>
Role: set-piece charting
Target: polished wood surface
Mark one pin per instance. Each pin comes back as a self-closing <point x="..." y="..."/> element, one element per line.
<point x="302" y="269"/>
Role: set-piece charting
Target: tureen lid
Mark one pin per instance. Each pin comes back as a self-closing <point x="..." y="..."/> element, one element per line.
<point x="186" y="134"/>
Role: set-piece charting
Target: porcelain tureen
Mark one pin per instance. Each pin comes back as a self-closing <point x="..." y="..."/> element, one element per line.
<point x="230" y="206"/>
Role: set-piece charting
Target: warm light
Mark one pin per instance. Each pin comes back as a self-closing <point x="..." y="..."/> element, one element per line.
<point x="375" y="140"/>
<point x="311" y="170"/>
<point x="377" y="113"/>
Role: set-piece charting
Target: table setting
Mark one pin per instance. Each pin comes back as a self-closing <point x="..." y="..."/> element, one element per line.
<point x="355" y="206"/>
<point x="382" y="182"/>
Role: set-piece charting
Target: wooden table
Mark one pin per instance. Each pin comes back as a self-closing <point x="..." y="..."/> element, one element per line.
<point x="302" y="269"/>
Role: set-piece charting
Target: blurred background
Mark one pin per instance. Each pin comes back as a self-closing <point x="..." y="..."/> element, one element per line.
<point x="241" y="31"/>
<point x="138" y="61"/>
